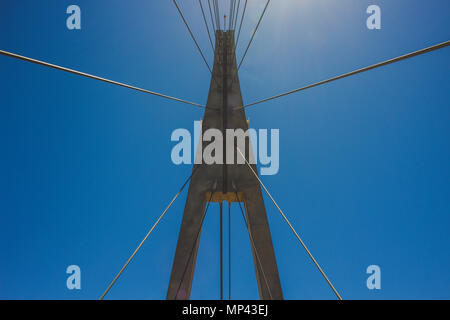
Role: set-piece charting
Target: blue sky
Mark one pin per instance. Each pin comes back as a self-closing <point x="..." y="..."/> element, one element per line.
<point x="85" y="166"/>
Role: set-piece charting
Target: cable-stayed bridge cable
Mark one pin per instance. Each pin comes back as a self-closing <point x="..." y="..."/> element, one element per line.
<point x="292" y="228"/>
<point x="235" y="16"/>
<point x="192" y="36"/>
<point x="206" y="25"/>
<point x="253" y="35"/>
<point x="147" y="235"/>
<point x="87" y="75"/>
<point x="240" y="25"/>
<point x="211" y="14"/>
<point x="348" y="74"/>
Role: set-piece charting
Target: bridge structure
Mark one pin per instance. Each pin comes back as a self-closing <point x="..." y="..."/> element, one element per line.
<point x="235" y="182"/>
<point x="224" y="182"/>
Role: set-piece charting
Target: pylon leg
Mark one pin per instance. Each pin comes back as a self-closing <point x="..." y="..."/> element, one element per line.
<point x="229" y="178"/>
<point x="267" y="277"/>
<point x="188" y="240"/>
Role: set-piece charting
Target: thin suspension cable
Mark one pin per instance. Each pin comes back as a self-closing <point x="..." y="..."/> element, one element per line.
<point x="232" y="2"/>
<point x="192" y="36"/>
<point x="212" y="19"/>
<point x="206" y="25"/>
<point x="235" y="44"/>
<point x="87" y="75"/>
<point x="377" y="65"/>
<point x="146" y="236"/>
<point x="292" y="228"/>
<point x="196" y="239"/>
<point x="253" y="35"/>
<point x="253" y="244"/>
<point x="242" y="20"/>
<point x="230" y="14"/>
<point x="229" y="250"/>
<point x="233" y="13"/>
<point x="236" y="15"/>
<point x="216" y="12"/>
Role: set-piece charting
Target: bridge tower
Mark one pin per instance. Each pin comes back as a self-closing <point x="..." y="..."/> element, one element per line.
<point x="224" y="182"/>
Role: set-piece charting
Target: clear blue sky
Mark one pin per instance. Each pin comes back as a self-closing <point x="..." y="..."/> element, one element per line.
<point x="85" y="166"/>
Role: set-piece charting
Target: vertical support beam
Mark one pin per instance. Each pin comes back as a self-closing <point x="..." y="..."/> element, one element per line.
<point x="221" y="252"/>
<point x="229" y="250"/>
